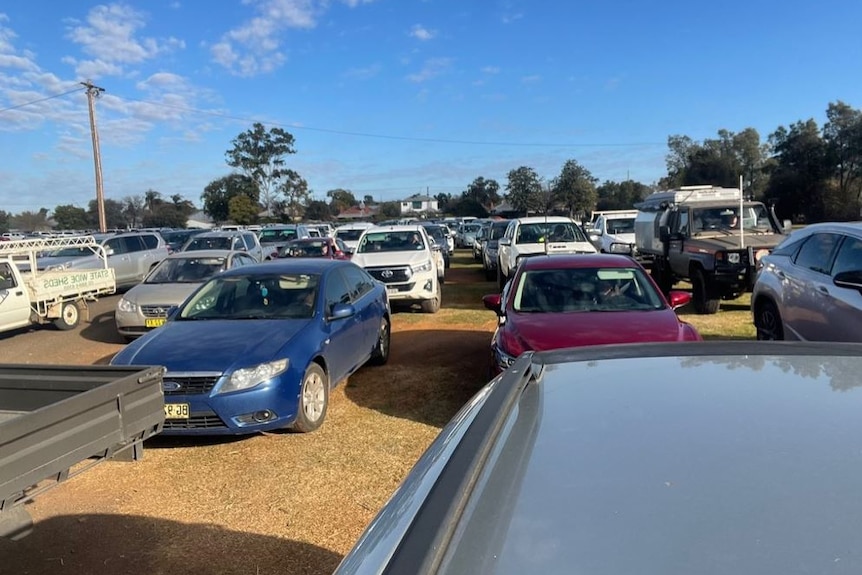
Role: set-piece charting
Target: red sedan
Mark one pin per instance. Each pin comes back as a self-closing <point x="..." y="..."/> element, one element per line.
<point x="328" y="248"/>
<point x="562" y="301"/>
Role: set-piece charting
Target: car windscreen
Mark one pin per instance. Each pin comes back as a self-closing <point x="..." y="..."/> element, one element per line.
<point x="185" y="270"/>
<point x="390" y="241"/>
<point x="302" y="249"/>
<point x="271" y="236"/>
<point x="257" y="296"/>
<point x="71" y="253"/>
<point x="471" y="228"/>
<point x="348" y="235"/>
<point x="436" y="232"/>
<point x="540" y="232"/>
<point x="585" y="289"/>
<point x="214" y="243"/>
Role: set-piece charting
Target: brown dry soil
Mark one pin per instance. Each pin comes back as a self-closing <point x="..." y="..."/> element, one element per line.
<point x="263" y="504"/>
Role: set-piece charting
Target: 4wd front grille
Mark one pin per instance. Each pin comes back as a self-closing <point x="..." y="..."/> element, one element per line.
<point x="391" y="275"/>
<point x="160" y="310"/>
<point x="188" y="385"/>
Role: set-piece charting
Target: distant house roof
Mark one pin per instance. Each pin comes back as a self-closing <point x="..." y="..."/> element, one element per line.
<point x="357" y="213"/>
<point x="419" y="198"/>
<point x="199" y="220"/>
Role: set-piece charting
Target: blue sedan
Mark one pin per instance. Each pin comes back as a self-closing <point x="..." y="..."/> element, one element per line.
<point x="259" y="347"/>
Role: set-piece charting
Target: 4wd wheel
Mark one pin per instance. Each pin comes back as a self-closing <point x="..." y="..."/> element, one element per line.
<point x="313" y="400"/>
<point x="69" y="318"/>
<point x="767" y="322"/>
<point x="433" y="305"/>
<point x="490" y="274"/>
<point x="501" y="281"/>
<point x="704" y="298"/>
<point x="380" y="355"/>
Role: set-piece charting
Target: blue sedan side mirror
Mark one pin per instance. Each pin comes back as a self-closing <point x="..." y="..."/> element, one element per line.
<point x="341" y="311"/>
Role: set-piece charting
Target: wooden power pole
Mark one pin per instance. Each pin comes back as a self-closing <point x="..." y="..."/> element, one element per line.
<point x="94" y="92"/>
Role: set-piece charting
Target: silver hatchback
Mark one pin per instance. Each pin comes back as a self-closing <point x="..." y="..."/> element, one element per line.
<point x="810" y="286"/>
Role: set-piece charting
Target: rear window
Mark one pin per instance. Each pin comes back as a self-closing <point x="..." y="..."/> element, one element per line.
<point x="541" y="232"/>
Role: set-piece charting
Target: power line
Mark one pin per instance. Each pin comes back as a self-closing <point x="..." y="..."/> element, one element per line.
<point x="31" y="102"/>
<point x="391" y="137"/>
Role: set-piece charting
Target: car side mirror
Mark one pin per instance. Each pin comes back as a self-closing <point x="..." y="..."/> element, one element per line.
<point x="109" y="251"/>
<point x="172" y="311"/>
<point x="505" y="242"/>
<point x="677" y="299"/>
<point x="341" y="311"/>
<point x="493" y="302"/>
<point x="849" y="280"/>
<point x="787" y="226"/>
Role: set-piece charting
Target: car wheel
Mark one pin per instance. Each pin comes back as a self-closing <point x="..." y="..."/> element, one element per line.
<point x="313" y="400"/>
<point x="69" y="318"/>
<point x="704" y="300"/>
<point x="501" y="281"/>
<point x="433" y="305"/>
<point x="490" y="274"/>
<point x="380" y="355"/>
<point x="767" y="322"/>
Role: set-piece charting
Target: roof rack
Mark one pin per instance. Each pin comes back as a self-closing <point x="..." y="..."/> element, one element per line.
<point x="26" y="247"/>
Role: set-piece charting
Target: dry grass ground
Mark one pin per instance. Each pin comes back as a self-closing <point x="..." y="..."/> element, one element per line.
<point x="282" y="503"/>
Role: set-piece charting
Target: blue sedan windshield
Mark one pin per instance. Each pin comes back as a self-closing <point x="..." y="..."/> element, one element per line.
<point x="263" y="296"/>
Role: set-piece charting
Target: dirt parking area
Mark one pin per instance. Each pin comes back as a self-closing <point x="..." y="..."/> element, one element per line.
<point x="264" y="504"/>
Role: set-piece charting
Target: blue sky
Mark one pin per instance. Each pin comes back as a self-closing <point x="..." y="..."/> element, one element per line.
<point x="394" y="97"/>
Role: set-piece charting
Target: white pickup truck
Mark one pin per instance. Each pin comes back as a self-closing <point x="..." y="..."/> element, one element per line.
<point x="28" y="295"/>
<point x="407" y="261"/>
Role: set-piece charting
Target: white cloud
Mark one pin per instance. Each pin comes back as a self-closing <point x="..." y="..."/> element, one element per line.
<point x="432" y="68"/>
<point x="490" y="70"/>
<point x="533" y="79"/>
<point x="364" y="73"/>
<point x="421" y="33"/>
<point x="110" y="36"/>
<point x="255" y="46"/>
<point x="510" y="17"/>
<point x="19" y="62"/>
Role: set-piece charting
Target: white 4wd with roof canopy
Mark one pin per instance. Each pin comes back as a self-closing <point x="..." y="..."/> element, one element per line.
<point x="538" y="235"/>
<point x="402" y="258"/>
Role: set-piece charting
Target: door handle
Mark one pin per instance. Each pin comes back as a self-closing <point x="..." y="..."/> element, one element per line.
<point x="780" y="274"/>
<point x="822" y="289"/>
<point x="19" y="293"/>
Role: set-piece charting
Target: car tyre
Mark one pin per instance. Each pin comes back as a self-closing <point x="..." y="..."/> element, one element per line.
<point x="704" y="300"/>
<point x="380" y="355"/>
<point x="767" y="322"/>
<point x="501" y="281"/>
<point x="490" y="274"/>
<point x="70" y="317"/>
<point x="313" y="400"/>
<point x="433" y="305"/>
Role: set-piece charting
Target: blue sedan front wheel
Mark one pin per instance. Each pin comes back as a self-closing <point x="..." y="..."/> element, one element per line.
<point x="313" y="400"/>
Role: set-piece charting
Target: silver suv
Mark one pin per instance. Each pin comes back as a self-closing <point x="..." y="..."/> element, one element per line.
<point x="132" y="255"/>
<point x="239" y="240"/>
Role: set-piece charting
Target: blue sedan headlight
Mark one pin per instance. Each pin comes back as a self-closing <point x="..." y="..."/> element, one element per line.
<point x="253" y="376"/>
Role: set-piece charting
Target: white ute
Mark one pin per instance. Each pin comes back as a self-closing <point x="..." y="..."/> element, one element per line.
<point x="402" y="257"/>
<point x="28" y="295"/>
<point x="537" y="235"/>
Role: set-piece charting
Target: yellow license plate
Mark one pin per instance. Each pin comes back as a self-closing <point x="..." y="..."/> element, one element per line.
<point x="176" y="411"/>
<point x="154" y="322"/>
